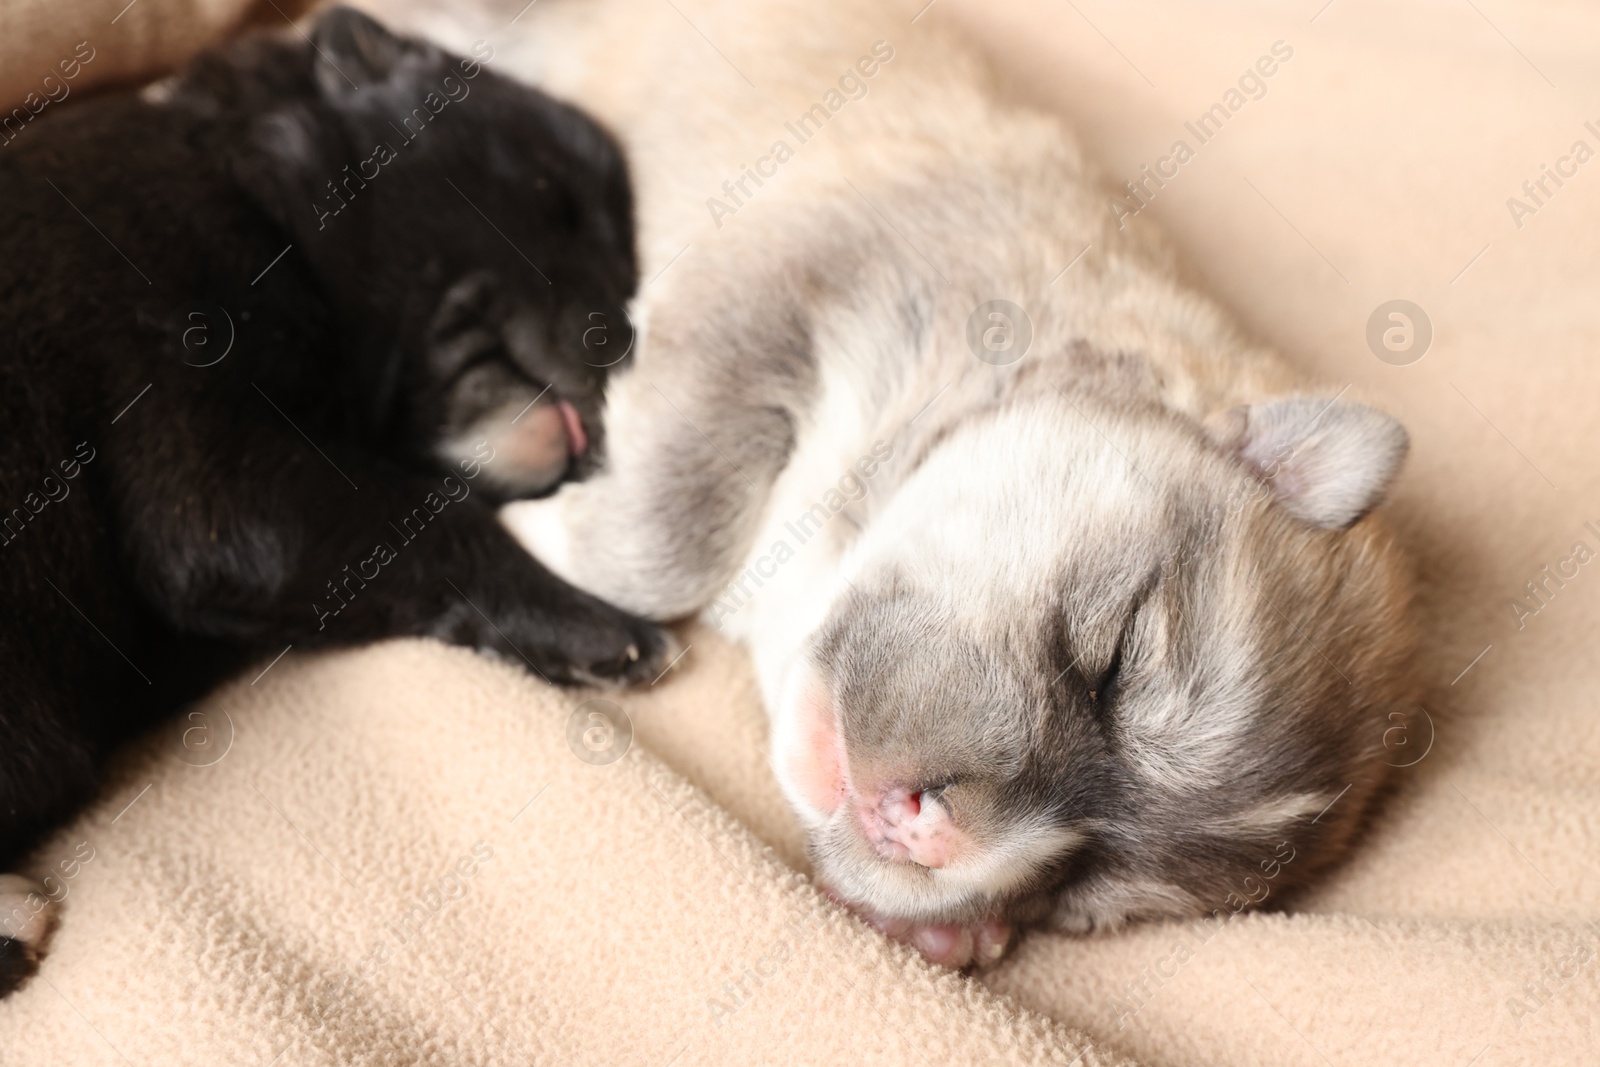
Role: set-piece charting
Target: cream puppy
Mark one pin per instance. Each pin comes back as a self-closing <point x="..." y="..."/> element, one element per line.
<point x="1065" y="599"/>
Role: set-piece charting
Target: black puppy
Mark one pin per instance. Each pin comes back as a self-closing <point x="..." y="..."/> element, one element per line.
<point x="278" y="335"/>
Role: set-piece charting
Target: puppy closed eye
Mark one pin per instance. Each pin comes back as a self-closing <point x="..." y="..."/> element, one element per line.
<point x="449" y="360"/>
<point x="486" y="384"/>
<point x="468" y="301"/>
<point x="1101" y="689"/>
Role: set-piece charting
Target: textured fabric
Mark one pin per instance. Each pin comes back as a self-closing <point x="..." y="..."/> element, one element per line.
<point x="399" y="859"/>
<point x="534" y="908"/>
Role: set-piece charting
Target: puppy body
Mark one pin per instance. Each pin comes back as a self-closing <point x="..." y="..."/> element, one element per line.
<point x="1074" y="629"/>
<point x="240" y="369"/>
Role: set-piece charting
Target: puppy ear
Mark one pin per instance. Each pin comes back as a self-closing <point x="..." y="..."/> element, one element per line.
<point x="354" y="52"/>
<point x="290" y="154"/>
<point x="1327" y="461"/>
<point x="280" y="164"/>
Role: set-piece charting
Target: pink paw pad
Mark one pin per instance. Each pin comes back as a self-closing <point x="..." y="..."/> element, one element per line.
<point x="960" y="946"/>
<point x="946" y="944"/>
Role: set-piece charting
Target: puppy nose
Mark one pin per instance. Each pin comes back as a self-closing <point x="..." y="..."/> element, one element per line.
<point x="906" y="825"/>
<point x="902" y="807"/>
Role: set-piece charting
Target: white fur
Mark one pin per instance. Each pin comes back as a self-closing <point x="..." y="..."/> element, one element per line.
<point x="540" y="527"/>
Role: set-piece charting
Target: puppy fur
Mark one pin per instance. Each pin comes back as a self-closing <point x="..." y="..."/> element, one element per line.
<point x="232" y="370"/>
<point x="1112" y="631"/>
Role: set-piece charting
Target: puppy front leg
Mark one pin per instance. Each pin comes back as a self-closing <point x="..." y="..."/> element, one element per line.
<point x="310" y="559"/>
<point x="668" y="519"/>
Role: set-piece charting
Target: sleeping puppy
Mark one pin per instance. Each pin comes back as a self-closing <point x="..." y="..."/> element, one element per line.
<point x="280" y="334"/>
<point x="1067" y="602"/>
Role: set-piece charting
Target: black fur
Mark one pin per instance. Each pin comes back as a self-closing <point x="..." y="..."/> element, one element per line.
<point x="168" y="516"/>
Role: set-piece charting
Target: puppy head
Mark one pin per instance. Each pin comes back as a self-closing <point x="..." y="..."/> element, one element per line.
<point x="477" y="239"/>
<point x="1131" y="671"/>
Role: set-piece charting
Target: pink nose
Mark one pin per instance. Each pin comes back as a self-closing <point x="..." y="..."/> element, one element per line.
<point x="903" y="825"/>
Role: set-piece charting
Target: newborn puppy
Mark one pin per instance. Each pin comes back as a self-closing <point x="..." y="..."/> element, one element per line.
<point x="281" y="331"/>
<point x="1067" y="602"/>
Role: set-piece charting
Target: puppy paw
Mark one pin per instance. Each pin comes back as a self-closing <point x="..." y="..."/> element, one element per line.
<point x="959" y="946"/>
<point x="25" y="924"/>
<point x="613" y="648"/>
<point x="565" y="635"/>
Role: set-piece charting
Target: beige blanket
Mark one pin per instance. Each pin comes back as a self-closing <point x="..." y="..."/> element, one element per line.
<point x="396" y="856"/>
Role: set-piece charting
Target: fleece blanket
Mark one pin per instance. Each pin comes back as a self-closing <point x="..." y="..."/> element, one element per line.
<point x="413" y="854"/>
